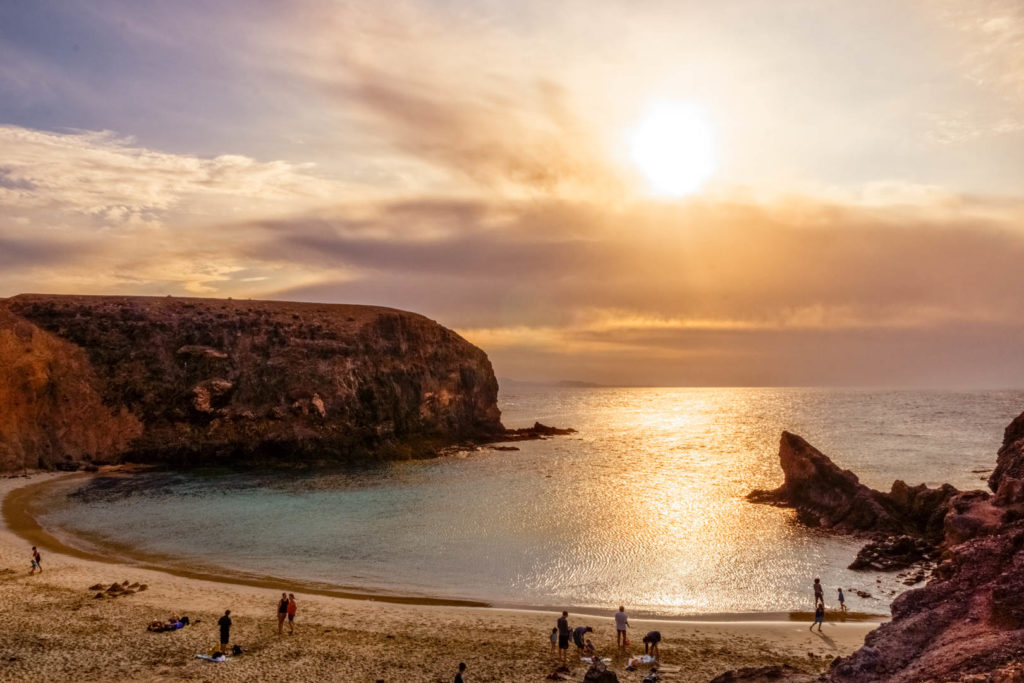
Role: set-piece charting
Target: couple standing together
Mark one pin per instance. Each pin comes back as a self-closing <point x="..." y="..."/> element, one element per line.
<point x="286" y="607"/>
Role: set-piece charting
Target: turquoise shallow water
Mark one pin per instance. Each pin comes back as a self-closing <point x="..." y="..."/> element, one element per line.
<point x="644" y="506"/>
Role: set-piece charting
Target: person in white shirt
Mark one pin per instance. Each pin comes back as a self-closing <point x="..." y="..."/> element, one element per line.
<point x="621" y="624"/>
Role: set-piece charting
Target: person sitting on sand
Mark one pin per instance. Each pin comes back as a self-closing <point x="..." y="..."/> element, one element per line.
<point x="819" y="618"/>
<point x="577" y="636"/>
<point x="621" y="624"/>
<point x="819" y="594"/>
<point x="588" y="648"/>
<point x="554" y="639"/>
<point x="563" y="635"/>
<point x="282" y="611"/>
<point x="842" y="600"/>
<point x="651" y="641"/>
<point x="292" y="608"/>
<point x="458" y="675"/>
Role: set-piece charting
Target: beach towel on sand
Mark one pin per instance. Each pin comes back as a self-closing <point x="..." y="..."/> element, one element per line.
<point x="208" y="658"/>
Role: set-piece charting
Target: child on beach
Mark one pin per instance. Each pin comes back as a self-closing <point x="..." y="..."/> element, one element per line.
<point x="842" y="600"/>
<point x="819" y="618"/>
<point x="36" y="561"/>
<point x="554" y="639"/>
<point x="292" y="608"/>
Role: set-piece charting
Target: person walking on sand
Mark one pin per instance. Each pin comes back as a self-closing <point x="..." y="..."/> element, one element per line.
<point x="819" y="594"/>
<point x="292" y="607"/>
<point x="842" y="600"/>
<point x="225" y="630"/>
<point x="819" y="618"/>
<point x="282" y="611"/>
<point x="563" y="636"/>
<point x="458" y="675"/>
<point x="621" y="624"/>
<point x="37" y="561"/>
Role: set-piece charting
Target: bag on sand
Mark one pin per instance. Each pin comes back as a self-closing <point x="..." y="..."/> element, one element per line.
<point x="236" y="650"/>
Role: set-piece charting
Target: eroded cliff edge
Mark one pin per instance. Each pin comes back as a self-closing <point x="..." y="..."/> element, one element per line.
<point x="967" y="622"/>
<point x="184" y="381"/>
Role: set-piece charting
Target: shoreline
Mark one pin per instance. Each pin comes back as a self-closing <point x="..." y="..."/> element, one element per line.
<point x="18" y="506"/>
<point x="63" y="631"/>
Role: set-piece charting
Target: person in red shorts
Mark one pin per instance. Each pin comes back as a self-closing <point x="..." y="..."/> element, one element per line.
<point x="292" y="607"/>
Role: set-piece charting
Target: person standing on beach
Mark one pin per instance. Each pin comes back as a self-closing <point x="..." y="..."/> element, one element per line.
<point x="282" y="611"/>
<point x="37" y="561"/>
<point x="621" y="624"/>
<point x="554" y="640"/>
<point x="819" y="617"/>
<point x="563" y="635"/>
<point x="842" y="600"/>
<point x="458" y="676"/>
<point x="292" y="607"/>
<point x="819" y="594"/>
<point x="225" y="630"/>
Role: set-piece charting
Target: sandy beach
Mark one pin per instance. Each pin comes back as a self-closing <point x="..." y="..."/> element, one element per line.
<point x="58" y="630"/>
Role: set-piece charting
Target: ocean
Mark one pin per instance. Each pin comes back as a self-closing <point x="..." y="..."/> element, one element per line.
<point x="643" y="506"/>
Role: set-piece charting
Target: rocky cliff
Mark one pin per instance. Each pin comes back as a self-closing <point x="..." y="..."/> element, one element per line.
<point x="202" y="380"/>
<point x="967" y="622"/>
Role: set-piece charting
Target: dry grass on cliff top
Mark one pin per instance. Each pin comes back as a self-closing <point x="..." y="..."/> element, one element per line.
<point x="56" y="630"/>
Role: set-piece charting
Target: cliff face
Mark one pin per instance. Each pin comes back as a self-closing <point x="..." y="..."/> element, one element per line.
<point x="191" y="380"/>
<point x="967" y="622"/>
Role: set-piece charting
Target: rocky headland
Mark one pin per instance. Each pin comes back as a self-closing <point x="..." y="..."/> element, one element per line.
<point x="967" y="622"/>
<point x="95" y="379"/>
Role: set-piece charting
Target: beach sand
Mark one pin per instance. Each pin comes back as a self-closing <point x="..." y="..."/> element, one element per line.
<point x="55" y="629"/>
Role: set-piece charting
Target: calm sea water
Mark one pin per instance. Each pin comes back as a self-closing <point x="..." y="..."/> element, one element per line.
<point x="643" y="507"/>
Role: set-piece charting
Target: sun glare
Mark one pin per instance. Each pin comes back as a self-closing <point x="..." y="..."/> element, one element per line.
<point x="674" y="147"/>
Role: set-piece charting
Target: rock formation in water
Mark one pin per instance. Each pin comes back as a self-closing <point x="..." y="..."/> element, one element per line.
<point x="825" y="495"/>
<point x="104" y="379"/>
<point x="967" y="622"/>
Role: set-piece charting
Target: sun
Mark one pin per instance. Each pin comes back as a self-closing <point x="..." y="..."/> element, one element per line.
<point x="674" y="147"/>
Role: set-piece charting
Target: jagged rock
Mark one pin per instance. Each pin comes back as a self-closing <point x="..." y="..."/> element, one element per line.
<point x="893" y="554"/>
<point x="96" y="587"/>
<point x="537" y="431"/>
<point x="827" y="496"/>
<point x="1010" y="459"/>
<point x="208" y="393"/>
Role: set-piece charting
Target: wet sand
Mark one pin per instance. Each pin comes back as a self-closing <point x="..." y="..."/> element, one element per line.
<point x="56" y="629"/>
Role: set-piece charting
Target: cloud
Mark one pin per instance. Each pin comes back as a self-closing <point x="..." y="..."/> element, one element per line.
<point x="99" y="174"/>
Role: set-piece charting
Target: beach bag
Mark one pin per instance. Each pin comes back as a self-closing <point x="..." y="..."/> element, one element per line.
<point x="236" y="650"/>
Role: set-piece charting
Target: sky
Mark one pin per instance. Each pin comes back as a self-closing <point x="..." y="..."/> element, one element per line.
<point x="857" y="218"/>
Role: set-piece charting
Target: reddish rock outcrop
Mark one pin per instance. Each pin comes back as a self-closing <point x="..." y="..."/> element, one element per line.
<point x="967" y="622"/>
<point x="199" y="380"/>
<point x="825" y="495"/>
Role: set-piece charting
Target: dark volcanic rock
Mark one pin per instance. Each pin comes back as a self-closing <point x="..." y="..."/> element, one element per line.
<point x="893" y="553"/>
<point x="198" y="380"/>
<point x="764" y="674"/>
<point x="825" y="495"/>
<point x="1007" y="479"/>
<point x="537" y="431"/>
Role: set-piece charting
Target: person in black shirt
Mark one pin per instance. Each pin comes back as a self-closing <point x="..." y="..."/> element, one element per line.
<point x="651" y="641"/>
<point x="282" y="611"/>
<point x="563" y="636"/>
<point x="225" y="630"/>
<point x="458" y="676"/>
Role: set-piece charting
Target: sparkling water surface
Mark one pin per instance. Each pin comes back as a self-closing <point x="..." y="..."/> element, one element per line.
<point x="643" y="506"/>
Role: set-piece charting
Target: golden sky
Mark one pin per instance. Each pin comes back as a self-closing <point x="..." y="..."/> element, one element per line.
<point x="856" y="214"/>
